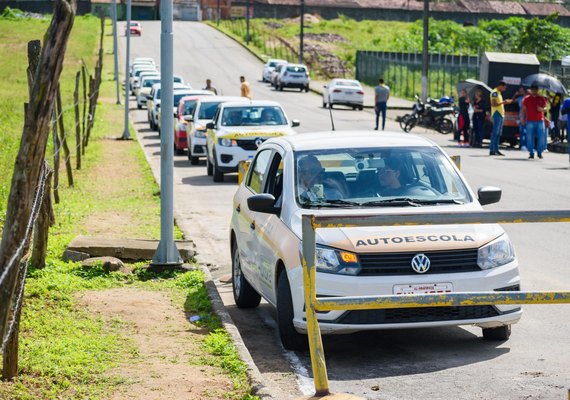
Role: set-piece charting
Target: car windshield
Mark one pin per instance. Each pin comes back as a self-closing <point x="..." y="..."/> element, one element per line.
<point x="253" y="116"/>
<point x="377" y="177"/>
<point x="296" y="69"/>
<point x="189" y="106"/>
<point x="208" y="110"/>
<point x="177" y="97"/>
<point x="347" y="83"/>
<point x="150" y="82"/>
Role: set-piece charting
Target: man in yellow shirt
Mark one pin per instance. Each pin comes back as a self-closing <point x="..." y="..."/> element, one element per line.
<point x="245" y="89"/>
<point x="498" y="115"/>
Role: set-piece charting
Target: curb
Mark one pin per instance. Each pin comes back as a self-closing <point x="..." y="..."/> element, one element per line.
<point x="255" y="378"/>
<point x="311" y="89"/>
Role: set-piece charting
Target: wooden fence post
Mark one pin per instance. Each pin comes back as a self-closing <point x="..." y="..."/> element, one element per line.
<point x="77" y="123"/>
<point x="56" y="150"/>
<point x="46" y="218"/>
<point x="84" y="79"/>
<point x="63" y="139"/>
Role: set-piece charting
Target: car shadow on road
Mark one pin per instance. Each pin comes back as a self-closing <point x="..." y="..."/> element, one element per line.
<point x="155" y="144"/>
<point x="205" y="180"/>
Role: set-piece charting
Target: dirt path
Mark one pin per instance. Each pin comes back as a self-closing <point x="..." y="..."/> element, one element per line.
<point x="167" y="345"/>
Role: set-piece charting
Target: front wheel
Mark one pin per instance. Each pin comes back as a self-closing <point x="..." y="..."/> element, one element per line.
<point x="404" y="120"/>
<point x="410" y="123"/>
<point x="290" y="338"/>
<point x="245" y="295"/>
<point x="209" y="168"/>
<point x="445" y="126"/>
<point x="218" y="174"/>
<point x="501" y="333"/>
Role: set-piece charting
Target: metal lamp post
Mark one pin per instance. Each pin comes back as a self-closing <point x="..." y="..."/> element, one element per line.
<point x="115" y="49"/>
<point x="302" y="33"/>
<point x="126" y="133"/>
<point x="425" y="55"/>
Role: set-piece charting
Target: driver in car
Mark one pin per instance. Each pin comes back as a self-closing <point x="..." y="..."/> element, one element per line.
<point x="313" y="186"/>
<point x="268" y="117"/>
<point x="389" y="178"/>
<point x="234" y="118"/>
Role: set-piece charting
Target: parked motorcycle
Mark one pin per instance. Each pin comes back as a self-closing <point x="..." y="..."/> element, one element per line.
<point x="435" y="114"/>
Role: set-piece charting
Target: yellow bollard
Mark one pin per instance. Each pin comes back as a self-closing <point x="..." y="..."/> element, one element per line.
<point x="243" y="166"/>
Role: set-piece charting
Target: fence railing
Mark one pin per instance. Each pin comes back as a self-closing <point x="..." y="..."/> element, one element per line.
<point x="310" y="223"/>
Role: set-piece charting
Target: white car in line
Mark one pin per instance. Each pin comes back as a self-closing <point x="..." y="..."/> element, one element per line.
<point x="178" y="95"/>
<point x="360" y="173"/>
<point x="347" y="92"/>
<point x="153" y="103"/>
<point x="144" y="90"/>
<point x="238" y="129"/>
<point x="293" y="76"/>
<point x="269" y="67"/>
<point x="196" y="130"/>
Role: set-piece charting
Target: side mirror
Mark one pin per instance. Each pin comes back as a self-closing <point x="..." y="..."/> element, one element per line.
<point x="295" y="123"/>
<point x="210" y="125"/>
<point x="263" y="203"/>
<point x="149" y="97"/>
<point x="489" y="195"/>
<point x="175" y="113"/>
<point x="188" y="118"/>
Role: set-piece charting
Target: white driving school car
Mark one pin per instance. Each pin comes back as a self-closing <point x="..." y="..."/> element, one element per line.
<point x="359" y="173"/>
<point x="238" y="129"/>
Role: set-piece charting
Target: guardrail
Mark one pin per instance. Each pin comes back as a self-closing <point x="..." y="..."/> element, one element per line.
<point x="310" y="223"/>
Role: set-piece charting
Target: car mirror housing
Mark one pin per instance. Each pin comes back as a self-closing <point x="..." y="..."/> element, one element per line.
<point x="489" y="195"/>
<point x="295" y="123"/>
<point x="210" y="125"/>
<point x="188" y="118"/>
<point x="263" y="203"/>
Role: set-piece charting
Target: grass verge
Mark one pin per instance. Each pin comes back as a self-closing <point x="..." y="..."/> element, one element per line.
<point x="66" y="352"/>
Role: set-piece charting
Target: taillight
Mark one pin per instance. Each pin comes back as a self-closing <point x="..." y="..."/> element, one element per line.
<point x="360" y="92"/>
<point x="337" y="91"/>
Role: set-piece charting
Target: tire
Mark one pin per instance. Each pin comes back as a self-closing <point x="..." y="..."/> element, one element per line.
<point x="290" y="338"/>
<point x="410" y="123"/>
<point x="445" y="126"/>
<point x="500" y="333"/>
<point x="194" y="160"/>
<point x="301" y="90"/>
<point x="139" y="106"/>
<point x="307" y="89"/>
<point x="189" y="152"/>
<point x="245" y="295"/>
<point x="209" y="168"/>
<point x="404" y="120"/>
<point x="324" y="104"/>
<point x="180" y="152"/>
<point x="218" y="175"/>
<point x="360" y="108"/>
<point x="280" y="87"/>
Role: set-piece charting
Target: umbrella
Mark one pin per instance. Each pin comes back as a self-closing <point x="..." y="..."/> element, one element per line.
<point x="470" y="85"/>
<point x="544" y="81"/>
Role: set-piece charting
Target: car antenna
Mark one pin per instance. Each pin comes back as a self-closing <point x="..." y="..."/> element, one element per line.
<point x="330" y="113"/>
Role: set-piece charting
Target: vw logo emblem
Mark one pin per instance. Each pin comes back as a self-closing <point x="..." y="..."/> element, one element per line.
<point x="420" y="263"/>
<point x="258" y="142"/>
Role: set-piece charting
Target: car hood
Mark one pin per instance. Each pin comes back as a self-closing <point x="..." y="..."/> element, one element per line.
<point x="244" y="132"/>
<point x="401" y="238"/>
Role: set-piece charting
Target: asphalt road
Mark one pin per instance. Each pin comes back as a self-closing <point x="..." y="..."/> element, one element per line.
<point x="441" y="363"/>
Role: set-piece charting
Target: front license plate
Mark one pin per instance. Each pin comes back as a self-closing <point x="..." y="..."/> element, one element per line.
<point x="424" y="288"/>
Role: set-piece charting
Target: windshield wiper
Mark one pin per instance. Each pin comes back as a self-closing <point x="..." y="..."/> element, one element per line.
<point x="440" y="201"/>
<point x="396" y="202"/>
<point x="331" y="203"/>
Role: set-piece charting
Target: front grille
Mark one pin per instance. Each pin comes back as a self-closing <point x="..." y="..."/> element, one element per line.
<point x="441" y="262"/>
<point x="419" y="314"/>
<point x="248" y="144"/>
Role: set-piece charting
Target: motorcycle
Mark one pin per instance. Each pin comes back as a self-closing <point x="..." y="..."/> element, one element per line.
<point x="436" y="114"/>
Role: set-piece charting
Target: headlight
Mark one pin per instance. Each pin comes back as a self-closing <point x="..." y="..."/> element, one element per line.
<point x="336" y="261"/>
<point x="200" y="134"/>
<point x="227" y="142"/>
<point x="499" y="252"/>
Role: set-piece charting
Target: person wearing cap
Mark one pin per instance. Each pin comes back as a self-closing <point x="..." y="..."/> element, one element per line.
<point x="498" y="115"/>
<point x="534" y="107"/>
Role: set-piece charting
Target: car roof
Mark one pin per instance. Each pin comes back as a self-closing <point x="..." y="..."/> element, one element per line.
<point x="225" y="99"/>
<point x="194" y="97"/>
<point x="296" y="65"/>
<point x="193" y="92"/>
<point x="337" y="80"/>
<point x="176" y="85"/>
<point x="276" y="60"/>
<point x="350" y="140"/>
<point x="253" y="103"/>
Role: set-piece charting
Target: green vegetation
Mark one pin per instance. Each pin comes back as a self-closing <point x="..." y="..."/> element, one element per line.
<point x="66" y="352"/>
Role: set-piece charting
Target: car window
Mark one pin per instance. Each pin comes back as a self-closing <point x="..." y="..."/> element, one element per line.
<point x="208" y="110"/>
<point x="188" y="107"/>
<point x="296" y="69"/>
<point x="421" y="174"/>
<point x="253" y="116"/>
<point x="258" y="170"/>
<point x="274" y="180"/>
<point x="150" y="82"/>
<point x="347" y="83"/>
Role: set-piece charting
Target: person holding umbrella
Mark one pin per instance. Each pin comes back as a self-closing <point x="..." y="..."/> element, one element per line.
<point x="498" y="115"/>
<point x="532" y="116"/>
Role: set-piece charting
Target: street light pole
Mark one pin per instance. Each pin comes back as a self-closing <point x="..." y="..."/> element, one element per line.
<point x="166" y="254"/>
<point x="126" y="133"/>
<point x="425" y="60"/>
<point x="302" y="33"/>
<point x="247" y="22"/>
<point x="115" y="49"/>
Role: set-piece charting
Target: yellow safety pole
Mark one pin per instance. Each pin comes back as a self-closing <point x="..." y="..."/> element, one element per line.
<point x="313" y="331"/>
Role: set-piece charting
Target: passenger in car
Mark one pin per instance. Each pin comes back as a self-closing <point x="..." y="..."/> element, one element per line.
<point x="391" y="178"/>
<point x="313" y="186"/>
<point x="268" y="117"/>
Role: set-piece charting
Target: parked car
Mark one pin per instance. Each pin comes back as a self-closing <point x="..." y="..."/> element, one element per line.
<point x="275" y="74"/>
<point x="145" y="88"/>
<point x="183" y="118"/>
<point x="294" y="76"/>
<point x="353" y="173"/>
<point x="137" y="80"/>
<point x="238" y="129"/>
<point x="346" y="92"/>
<point x="269" y="67"/>
<point x="153" y="103"/>
<point x="179" y="94"/>
<point x="196" y="130"/>
<point x="137" y="71"/>
<point x="135" y="27"/>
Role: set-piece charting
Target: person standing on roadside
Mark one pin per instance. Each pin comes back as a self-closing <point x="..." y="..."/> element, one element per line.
<point x="478" y="118"/>
<point x="245" y="88"/>
<point x="381" y="96"/>
<point x="519" y="97"/>
<point x="534" y="107"/>
<point x="210" y="87"/>
<point x="555" y="103"/>
<point x="464" y="121"/>
<point x="498" y="115"/>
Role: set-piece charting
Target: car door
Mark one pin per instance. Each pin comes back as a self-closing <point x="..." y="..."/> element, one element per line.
<point x="268" y="233"/>
<point x="247" y="244"/>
